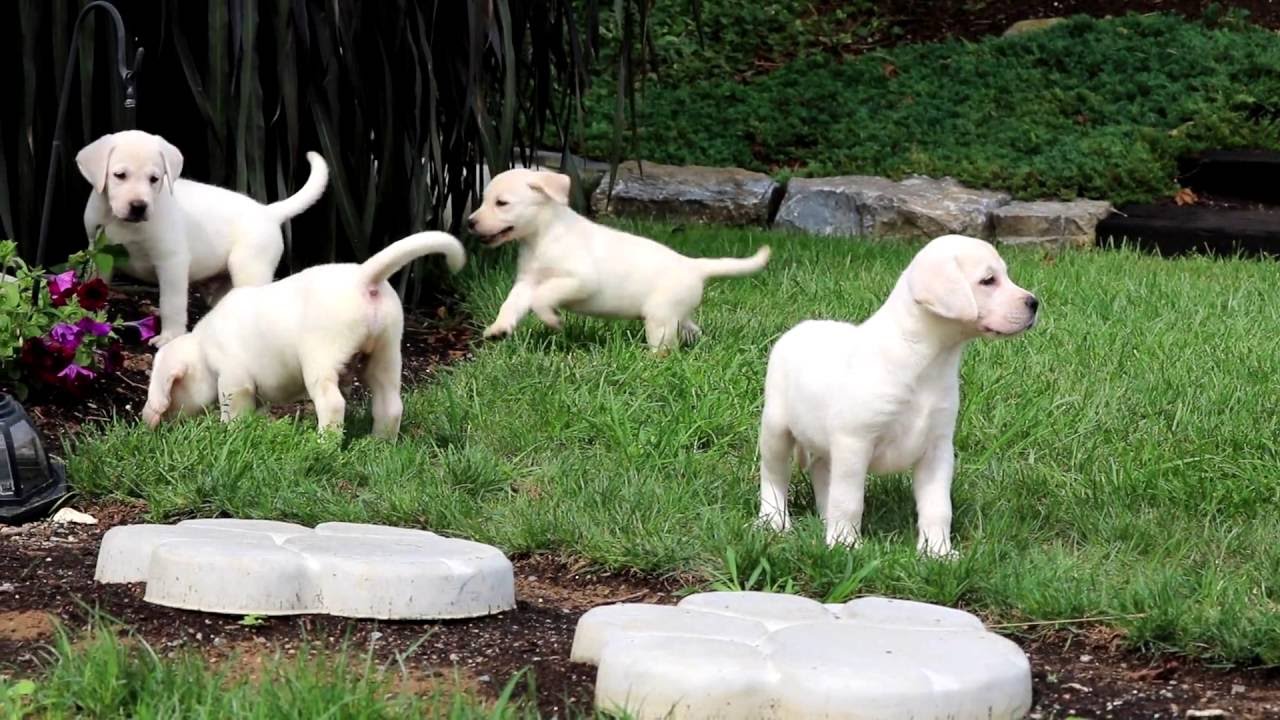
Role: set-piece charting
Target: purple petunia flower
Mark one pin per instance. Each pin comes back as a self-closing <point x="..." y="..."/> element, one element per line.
<point x="146" y="327"/>
<point x="66" y="335"/>
<point x="61" y="287"/>
<point x="74" y="372"/>
<point x="93" y="327"/>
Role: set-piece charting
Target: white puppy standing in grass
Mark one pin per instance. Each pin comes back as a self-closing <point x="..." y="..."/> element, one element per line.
<point x="567" y="261"/>
<point x="294" y="338"/>
<point x="882" y="397"/>
<point x="181" y="231"/>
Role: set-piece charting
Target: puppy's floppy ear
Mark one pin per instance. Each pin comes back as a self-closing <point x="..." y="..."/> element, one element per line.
<point x="159" y="395"/>
<point x="553" y="185"/>
<point x="937" y="283"/>
<point x="171" y="158"/>
<point x="94" y="161"/>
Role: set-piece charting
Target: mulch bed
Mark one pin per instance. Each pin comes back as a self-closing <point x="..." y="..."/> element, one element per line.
<point x="46" y="576"/>
<point x="922" y="21"/>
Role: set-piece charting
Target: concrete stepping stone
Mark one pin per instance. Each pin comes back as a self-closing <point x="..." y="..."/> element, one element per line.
<point x="264" y="567"/>
<point x="769" y="655"/>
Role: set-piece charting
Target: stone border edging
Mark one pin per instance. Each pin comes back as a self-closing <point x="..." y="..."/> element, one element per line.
<point x="915" y="207"/>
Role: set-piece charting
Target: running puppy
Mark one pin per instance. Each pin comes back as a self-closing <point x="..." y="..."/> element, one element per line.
<point x="882" y="397"/>
<point x="566" y="261"/>
<point x="294" y="338"/>
<point x="181" y="231"/>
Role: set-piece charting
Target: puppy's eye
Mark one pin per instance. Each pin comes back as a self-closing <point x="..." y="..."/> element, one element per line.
<point x="155" y="179"/>
<point x="120" y="174"/>
<point x="988" y="280"/>
<point x="500" y="203"/>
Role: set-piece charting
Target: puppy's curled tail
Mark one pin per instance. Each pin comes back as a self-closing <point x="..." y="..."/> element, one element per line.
<point x="308" y="195"/>
<point x="404" y="251"/>
<point x="733" y="267"/>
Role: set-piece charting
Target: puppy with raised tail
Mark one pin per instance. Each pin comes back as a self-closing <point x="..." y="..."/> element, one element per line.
<point x="882" y="397"/>
<point x="568" y="262"/>
<point x="294" y="338"/>
<point x="180" y="231"/>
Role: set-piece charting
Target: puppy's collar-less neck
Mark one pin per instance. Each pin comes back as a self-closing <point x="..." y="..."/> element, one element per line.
<point x="925" y="337"/>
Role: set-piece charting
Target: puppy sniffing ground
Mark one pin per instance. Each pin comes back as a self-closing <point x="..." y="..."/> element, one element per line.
<point x="883" y="396"/>
<point x="295" y="338"/>
<point x="569" y="262"/>
<point x="179" y="231"/>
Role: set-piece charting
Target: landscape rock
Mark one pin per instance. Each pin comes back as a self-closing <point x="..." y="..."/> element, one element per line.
<point x="69" y="515"/>
<point x="1022" y="27"/>
<point x="729" y="196"/>
<point x="1056" y="224"/>
<point x="917" y="207"/>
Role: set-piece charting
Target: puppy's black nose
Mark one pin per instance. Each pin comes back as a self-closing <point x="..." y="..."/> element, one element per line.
<point x="137" y="209"/>
<point x="1033" y="303"/>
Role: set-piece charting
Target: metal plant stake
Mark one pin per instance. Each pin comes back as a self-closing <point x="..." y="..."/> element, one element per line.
<point x="127" y="75"/>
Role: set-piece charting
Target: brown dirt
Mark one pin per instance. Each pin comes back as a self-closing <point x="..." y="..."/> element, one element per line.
<point x="25" y="625"/>
<point x="47" y="572"/>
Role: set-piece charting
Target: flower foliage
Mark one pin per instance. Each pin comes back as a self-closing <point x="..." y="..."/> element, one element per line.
<point x="54" y="330"/>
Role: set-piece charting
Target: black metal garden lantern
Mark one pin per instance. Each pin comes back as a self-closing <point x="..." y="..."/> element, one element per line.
<point x="30" y="483"/>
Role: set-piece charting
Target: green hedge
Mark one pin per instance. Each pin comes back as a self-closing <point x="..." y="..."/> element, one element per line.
<point x="1097" y="108"/>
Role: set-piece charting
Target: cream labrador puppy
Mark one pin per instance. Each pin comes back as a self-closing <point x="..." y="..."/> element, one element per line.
<point x="181" y="231"/>
<point x="882" y="397"/>
<point x="294" y="338"/>
<point x="566" y="261"/>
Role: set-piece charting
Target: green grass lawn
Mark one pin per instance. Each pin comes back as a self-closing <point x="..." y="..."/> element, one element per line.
<point x="1122" y="459"/>
<point x="104" y="675"/>
<point x="1097" y="108"/>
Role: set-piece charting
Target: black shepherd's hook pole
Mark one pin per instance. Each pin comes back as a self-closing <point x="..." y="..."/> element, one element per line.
<point x="127" y="75"/>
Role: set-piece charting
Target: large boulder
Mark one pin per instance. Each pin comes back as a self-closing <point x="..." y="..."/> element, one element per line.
<point x="718" y="195"/>
<point x="917" y="207"/>
<point x="1054" y="224"/>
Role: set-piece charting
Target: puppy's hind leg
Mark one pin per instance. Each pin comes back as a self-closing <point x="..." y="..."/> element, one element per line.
<point x="662" y="333"/>
<point x="382" y="376"/>
<point x="331" y="407"/>
<point x="249" y="266"/>
<point x="776" y="445"/>
<point x="667" y="313"/>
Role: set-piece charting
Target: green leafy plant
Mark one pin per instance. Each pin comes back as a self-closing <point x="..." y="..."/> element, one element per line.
<point x="54" y="331"/>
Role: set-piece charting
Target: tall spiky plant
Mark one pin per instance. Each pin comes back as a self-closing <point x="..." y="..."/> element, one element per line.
<point x="405" y="98"/>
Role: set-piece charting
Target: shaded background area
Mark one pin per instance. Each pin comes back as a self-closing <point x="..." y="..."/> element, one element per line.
<point x="404" y="98"/>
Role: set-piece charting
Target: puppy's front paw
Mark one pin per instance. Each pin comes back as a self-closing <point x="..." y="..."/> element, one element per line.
<point x="773" y="522"/>
<point x="497" y="330"/>
<point x="841" y="535"/>
<point x="940" y="550"/>
<point x="551" y="320"/>
<point x="163" y="339"/>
